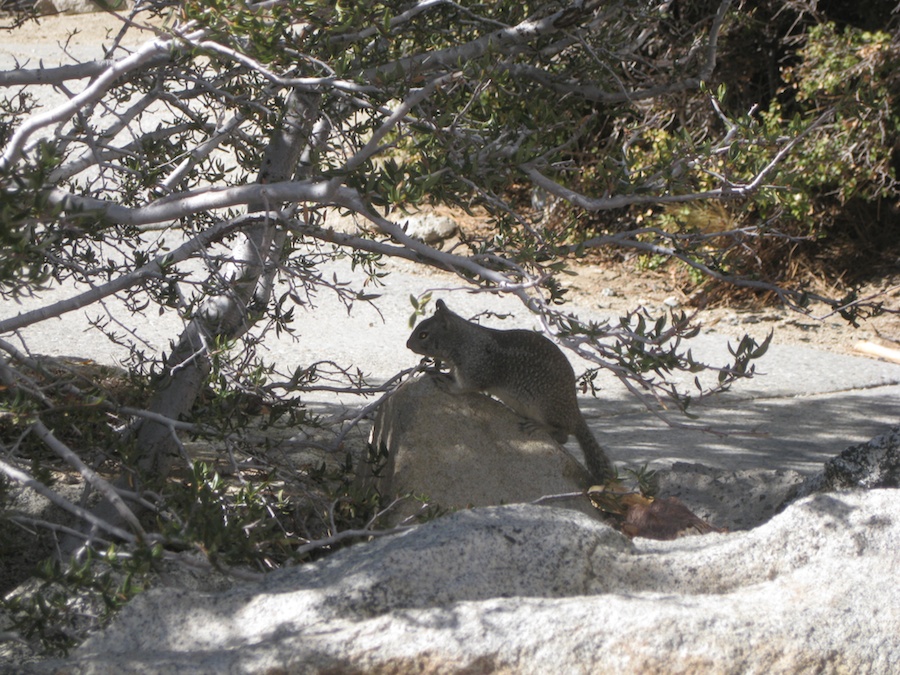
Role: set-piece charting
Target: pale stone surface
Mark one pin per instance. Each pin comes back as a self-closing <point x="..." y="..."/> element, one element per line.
<point x="462" y="451"/>
<point x="465" y="450"/>
<point x="736" y="500"/>
<point x="527" y="589"/>
<point x="429" y="227"/>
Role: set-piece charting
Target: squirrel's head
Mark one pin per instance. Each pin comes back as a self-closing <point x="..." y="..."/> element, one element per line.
<point x="424" y="339"/>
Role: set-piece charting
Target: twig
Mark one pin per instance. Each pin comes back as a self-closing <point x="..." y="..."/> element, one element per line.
<point x="859" y="301"/>
<point x="94" y="92"/>
<point x="29" y="482"/>
<point x="152" y="269"/>
<point x="92" y="478"/>
<point x="344" y="535"/>
<point x="558" y="497"/>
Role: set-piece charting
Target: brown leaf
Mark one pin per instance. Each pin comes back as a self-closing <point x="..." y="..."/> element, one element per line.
<point x="661" y="518"/>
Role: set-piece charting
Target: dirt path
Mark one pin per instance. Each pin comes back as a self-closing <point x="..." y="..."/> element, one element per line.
<point x="49" y="38"/>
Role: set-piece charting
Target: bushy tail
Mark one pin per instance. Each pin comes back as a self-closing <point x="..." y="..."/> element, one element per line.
<point x="594" y="455"/>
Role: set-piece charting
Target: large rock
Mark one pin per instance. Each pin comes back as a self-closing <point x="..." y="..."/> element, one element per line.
<point x="430" y="227"/>
<point x="47" y="7"/>
<point x="874" y="464"/>
<point x="459" y="451"/>
<point x="425" y="226"/>
<point x="463" y="451"/>
<point x="527" y="589"/>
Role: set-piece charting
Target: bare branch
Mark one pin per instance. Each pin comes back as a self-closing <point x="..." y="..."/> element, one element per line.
<point x="713" y="41"/>
<point x="729" y="190"/>
<point x="506" y="39"/>
<point x="373" y="147"/>
<point x="150" y="270"/>
<point x="306" y="84"/>
<point x="146" y="55"/>
<point x="89" y="475"/>
<point x="29" y="482"/>
<point x="344" y="535"/>
<point x="181" y="205"/>
<point x="21" y="77"/>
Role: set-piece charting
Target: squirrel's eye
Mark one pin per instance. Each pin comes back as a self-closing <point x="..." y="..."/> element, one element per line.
<point x="423" y="334"/>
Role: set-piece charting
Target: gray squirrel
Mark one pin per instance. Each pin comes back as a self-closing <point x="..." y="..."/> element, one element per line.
<point x="522" y="368"/>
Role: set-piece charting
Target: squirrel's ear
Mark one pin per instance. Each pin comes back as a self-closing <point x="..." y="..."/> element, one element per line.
<point x="440" y="306"/>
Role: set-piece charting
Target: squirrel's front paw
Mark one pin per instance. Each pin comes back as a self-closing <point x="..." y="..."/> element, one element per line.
<point x="443" y="381"/>
<point x="530" y="426"/>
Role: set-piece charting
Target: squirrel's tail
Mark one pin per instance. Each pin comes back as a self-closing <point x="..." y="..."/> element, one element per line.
<point x="594" y="455"/>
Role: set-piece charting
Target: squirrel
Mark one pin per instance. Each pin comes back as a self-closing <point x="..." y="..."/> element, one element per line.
<point x="522" y="368"/>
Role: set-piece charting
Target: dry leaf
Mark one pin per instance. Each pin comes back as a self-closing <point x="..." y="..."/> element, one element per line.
<point x="661" y="518"/>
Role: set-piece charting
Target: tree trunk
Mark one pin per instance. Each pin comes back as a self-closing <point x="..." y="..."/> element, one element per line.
<point x="247" y="285"/>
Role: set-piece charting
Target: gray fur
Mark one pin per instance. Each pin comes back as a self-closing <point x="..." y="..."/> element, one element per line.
<point x="523" y="369"/>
